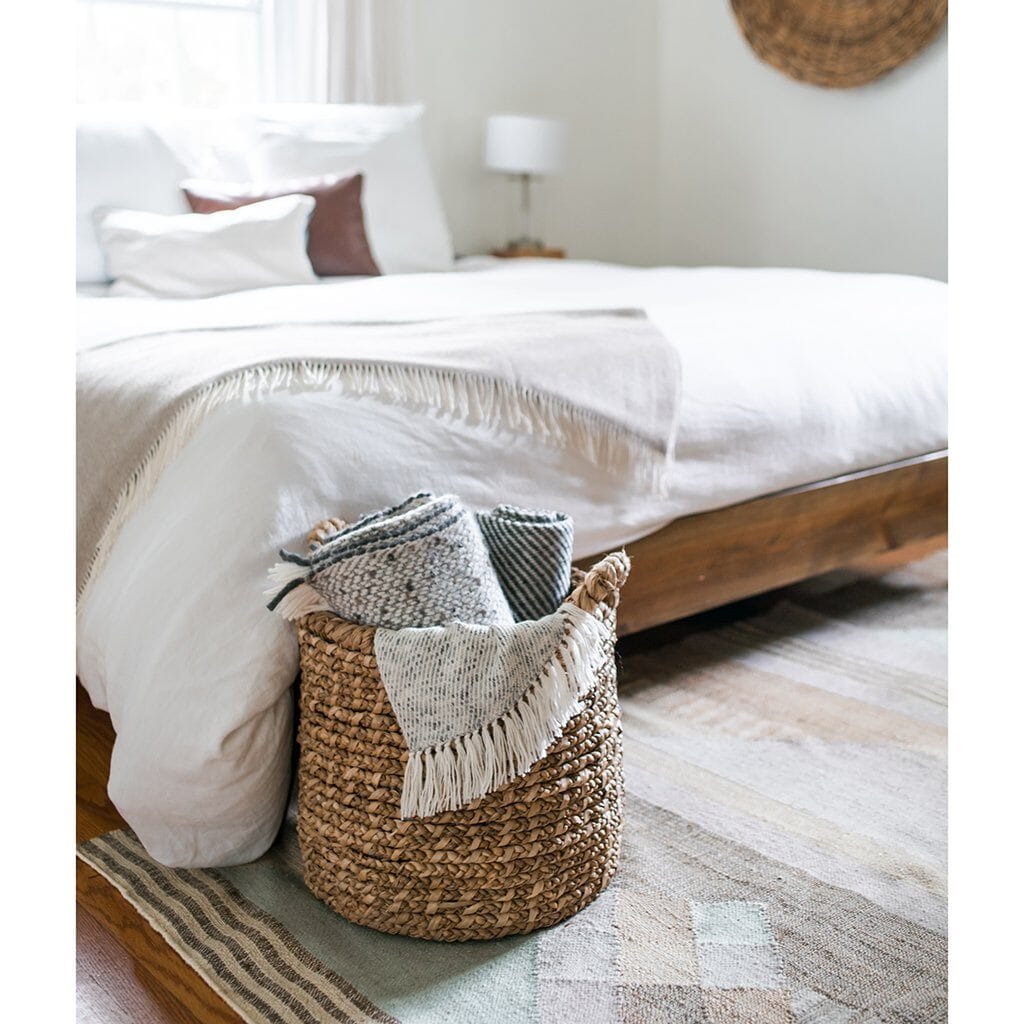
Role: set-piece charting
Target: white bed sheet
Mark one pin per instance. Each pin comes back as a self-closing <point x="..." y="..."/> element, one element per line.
<point x="789" y="376"/>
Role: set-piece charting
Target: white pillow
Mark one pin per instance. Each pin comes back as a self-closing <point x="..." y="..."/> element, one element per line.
<point x="193" y="255"/>
<point x="405" y="223"/>
<point x="122" y="162"/>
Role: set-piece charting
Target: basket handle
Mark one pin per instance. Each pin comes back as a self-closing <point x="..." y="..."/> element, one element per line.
<point x="601" y="585"/>
<point x="321" y="531"/>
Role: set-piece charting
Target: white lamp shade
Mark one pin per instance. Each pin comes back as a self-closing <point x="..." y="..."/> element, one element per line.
<point x="524" y="145"/>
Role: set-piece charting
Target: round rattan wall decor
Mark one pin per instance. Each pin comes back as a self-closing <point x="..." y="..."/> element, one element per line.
<point x="838" y="43"/>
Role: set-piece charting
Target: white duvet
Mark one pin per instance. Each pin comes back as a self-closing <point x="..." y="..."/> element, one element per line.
<point x="788" y="377"/>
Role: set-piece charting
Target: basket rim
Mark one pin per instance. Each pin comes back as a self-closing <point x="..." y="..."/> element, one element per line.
<point x="599" y="585"/>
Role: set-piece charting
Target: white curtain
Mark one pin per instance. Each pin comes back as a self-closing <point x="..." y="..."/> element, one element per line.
<point x="338" y="51"/>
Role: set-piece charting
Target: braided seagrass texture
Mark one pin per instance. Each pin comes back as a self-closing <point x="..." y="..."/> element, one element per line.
<point x="524" y="857"/>
<point x="838" y="43"/>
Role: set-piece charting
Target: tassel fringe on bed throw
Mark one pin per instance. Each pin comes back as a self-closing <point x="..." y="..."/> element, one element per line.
<point x="603" y="385"/>
<point x="480" y="706"/>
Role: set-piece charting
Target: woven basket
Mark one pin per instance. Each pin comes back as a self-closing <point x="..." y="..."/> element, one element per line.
<point x="838" y="44"/>
<point x="524" y="857"/>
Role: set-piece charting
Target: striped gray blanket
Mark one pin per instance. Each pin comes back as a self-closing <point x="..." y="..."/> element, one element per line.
<point x="532" y="554"/>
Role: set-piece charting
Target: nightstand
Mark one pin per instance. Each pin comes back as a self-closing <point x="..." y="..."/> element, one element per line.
<point x="516" y="252"/>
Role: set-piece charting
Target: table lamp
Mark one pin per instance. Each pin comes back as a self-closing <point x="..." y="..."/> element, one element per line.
<point x="525" y="147"/>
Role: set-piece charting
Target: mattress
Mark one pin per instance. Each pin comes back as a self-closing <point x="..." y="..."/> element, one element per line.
<point x="788" y="377"/>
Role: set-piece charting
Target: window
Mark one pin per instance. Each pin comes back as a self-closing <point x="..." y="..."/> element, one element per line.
<point x="197" y="52"/>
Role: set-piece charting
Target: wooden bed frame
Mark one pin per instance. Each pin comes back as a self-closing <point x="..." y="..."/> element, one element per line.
<point x="702" y="561"/>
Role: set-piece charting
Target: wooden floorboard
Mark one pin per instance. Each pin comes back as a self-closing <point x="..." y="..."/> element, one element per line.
<point x="127" y="972"/>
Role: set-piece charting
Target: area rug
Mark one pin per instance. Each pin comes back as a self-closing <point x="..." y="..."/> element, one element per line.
<point x="783" y="861"/>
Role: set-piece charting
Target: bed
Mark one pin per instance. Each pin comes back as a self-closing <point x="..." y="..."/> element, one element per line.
<point x="811" y="432"/>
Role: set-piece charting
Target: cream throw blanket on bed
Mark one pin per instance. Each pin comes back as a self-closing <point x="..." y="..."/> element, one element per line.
<point x="604" y="385"/>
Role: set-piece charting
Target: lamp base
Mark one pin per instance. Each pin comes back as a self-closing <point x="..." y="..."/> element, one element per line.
<point x="525" y="242"/>
<point x="525" y="250"/>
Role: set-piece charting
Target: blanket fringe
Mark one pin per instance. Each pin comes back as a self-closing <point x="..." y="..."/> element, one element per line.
<point x="299" y="601"/>
<point x="448" y="777"/>
<point x="475" y="399"/>
<point x="282" y="573"/>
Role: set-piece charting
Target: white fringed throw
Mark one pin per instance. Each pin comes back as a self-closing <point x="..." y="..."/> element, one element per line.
<point x="480" y="705"/>
<point x="604" y="385"/>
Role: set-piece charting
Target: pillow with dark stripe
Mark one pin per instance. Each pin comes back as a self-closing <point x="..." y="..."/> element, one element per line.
<point x="337" y="243"/>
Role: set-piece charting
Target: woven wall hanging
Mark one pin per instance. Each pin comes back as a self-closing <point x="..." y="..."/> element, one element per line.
<point x="838" y="43"/>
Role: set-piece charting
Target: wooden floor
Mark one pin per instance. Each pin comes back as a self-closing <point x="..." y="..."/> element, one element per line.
<point x="127" y="974"/>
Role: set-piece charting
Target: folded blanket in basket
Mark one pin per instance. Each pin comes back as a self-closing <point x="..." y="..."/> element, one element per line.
<point x="479" y="698"/>
<point x="532" y="553"/>
<point x="421" y="563"/>
<point x="480" y="705"/>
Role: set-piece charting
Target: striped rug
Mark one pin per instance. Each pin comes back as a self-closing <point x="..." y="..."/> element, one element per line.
<point x="784" y="856"/>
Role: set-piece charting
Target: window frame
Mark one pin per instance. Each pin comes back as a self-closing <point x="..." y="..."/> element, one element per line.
<point x="263" y="12"/>
<point x="243" y="6"/>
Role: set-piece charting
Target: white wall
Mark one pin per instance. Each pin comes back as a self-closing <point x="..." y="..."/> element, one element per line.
<point x="756" y="168"/>
<point x="684" y="147"/>
<point x="591" y="62"/>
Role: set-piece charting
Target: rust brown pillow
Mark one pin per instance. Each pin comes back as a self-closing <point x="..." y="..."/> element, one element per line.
<point x="337" y="242"/>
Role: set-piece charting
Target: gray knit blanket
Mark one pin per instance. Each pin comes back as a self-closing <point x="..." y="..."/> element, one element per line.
<point x="479" y="706"/>
<point x="602" y="384"/>
<point x="478" y="696"/>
